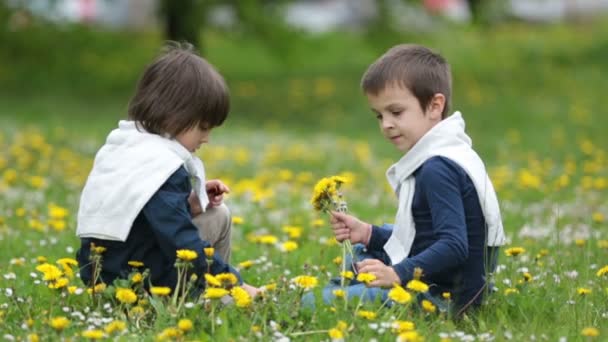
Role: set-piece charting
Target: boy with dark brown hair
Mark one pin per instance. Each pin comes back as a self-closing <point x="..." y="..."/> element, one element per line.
<point x="146" y="196"/>
<point x="448" y="222"/>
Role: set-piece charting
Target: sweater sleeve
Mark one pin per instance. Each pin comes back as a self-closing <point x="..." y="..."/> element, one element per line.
<point x="439" y="182"/>
<point x="170" y="220"/>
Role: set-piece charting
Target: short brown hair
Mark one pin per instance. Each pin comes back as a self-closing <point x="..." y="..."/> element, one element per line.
<point x="422" y="71"/>
<point x="178" y="91"/>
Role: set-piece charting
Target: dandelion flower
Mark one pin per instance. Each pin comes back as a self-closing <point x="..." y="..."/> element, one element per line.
<point x="135" y="263"/>
<point x="590" y="332"/>
<point x="417" y="285"/>
<point x="339" y="293"/>
<point x="366" y="278"/>
<point x="289" y="246"/>
<point x="305" y="282"/>
<point x="246" y="264"/>
<point x="347" y="275"/>
<point x="366" y="314"/>
<point x="602" y="271"/>
<point x="209" y="251"/>
<point x="226" y="278"/>
<point x="428" y="306"/>
<point x="511" y="291"/>
<point x="184" y="325"/>
<point x="335" y="334"/>
<point x="92" y="334"/>
<point x="403" y="326"/>
<point x="160" y="290"/>
<point x="514" y="251"/>
<point x="583" y="291"/>
<point x="126" y="296"/>
<point x="399" y="295"/>
<point x="186" y="254"/>
<point x="59" y="283"/>
<point x="237" y="220"/>
<point x="59" y="323"/>
<point x="115" y="326"/>
<point x="410" y="336"/>
<point x="211" y="280"/>
<point x="137" y="278"/>
<point x="242" y="299"/>
<point x="169" y="334"/>
<point x="215" y="293"/>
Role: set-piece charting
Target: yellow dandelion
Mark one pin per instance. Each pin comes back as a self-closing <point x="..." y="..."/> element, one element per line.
<point x="305" y="282"/>
<point x="511" y="291"/>
<point x="237" y="220"/>
<point x="135" y="263"/>
<point x="367" y="314"/>
<point x="227" y="278"/>
<point x="417" y="286"/>
<point x="50" y="272"/>
<point x="269" y="287"/>
<point x="428" y="306"/>
<point x="97" y="249"/>
<point x="583" y="291"/>
<point x="580" y="242"/>
<point x="403" y="326"/>
<point x="170" y="333"/>
<point x="125" y="295"/>
<point x="115" y="326"/>
<point x="59" y="283"/>
<point x="446" y="295"/>
<point x="212" y="281"/>
<point x="33" y="338"/>
<point x="335" y="334"/>
<point x="399" y="295"/>
<point x="339" y="293"/>
<point x="514" y="251"/>
<point x="160" y="290"/>
<point x="410" y="336"/>
<point x="598" y="217"/>
<point x="590" y="332"/>
<point x="137" y="278"/>
<point x="268" y="239"/>
<point x="209" y="251"/>
<point x="246" y="264"/>
<point x="137" y="311"/>
<point x="59" y="323"/>
<point x="289" y="246"/>
<point x="215" y="293"/>
<point x="347" y="275"/>
<point x="185" y="325"/>
<point x="337" y="260"/>
<point x="242" y="299"/>
<point x="92" y="334"/>
<point x="186" y="254"/>
<point x="527" y="276"/>
<point x="317" y="223"/>
<point x="366" y="278"/>
<point x="602" y="271"/>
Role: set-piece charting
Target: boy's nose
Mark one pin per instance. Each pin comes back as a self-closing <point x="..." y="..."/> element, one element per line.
<point x="387" y="123"/>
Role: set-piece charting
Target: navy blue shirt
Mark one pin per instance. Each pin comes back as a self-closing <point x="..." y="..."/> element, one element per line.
<point x="162" y="227"/>
<point x="450" y="242"/>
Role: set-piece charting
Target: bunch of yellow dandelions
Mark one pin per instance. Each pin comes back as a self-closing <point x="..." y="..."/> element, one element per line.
<point x="327" y="197"/>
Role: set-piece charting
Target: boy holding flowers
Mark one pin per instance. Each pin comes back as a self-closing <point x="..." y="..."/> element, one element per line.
<point x="448" y="226"/>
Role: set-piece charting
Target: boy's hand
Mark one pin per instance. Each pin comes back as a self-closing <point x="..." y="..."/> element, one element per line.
<point x="215" y="191"/>
<point x="347" y="227"/>
<point x="385" y="275"/>
<point x="253" y="291"/>
<point x="195" y="204"/>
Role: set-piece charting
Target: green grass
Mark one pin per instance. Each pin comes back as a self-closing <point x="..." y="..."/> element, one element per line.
<point x="532" y="98"/>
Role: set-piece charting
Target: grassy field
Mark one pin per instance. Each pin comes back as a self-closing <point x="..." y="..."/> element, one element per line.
<point x="533" y="101"/>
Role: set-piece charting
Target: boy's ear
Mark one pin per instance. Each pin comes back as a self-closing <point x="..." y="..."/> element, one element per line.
<point x="436" y="106"/>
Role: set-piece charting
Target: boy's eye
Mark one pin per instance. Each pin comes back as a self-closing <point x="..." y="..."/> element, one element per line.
<point x="397" y="112"/>
<point x="379" y="116"/>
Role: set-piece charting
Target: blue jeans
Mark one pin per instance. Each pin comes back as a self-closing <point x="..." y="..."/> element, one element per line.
<point x="356" y="289"/>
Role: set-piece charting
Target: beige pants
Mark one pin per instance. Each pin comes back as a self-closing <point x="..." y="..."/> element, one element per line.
<point x="215" y="227"/>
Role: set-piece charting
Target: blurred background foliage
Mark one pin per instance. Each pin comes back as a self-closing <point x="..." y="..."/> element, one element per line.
<point x="509" y="74"/>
